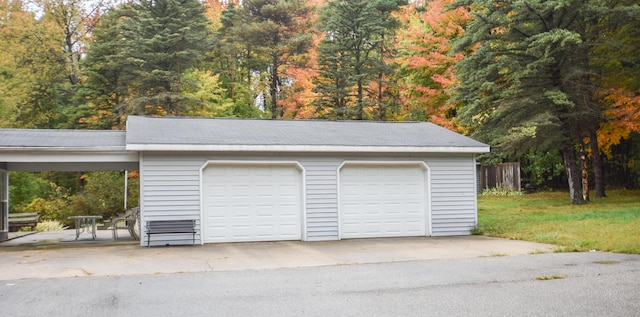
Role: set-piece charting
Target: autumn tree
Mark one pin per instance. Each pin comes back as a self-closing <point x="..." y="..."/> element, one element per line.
<point x="427" y="60"/>
<point x="33" y="87"/>
<point x="76" y="20"/>
<point x="617" y="64"/>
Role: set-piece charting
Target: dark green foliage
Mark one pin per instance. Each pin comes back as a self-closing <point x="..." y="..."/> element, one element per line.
<point x="529" y="83"/>
<point x="139" y="57"/>
<point x="621" y="174"/>
<point x="542" y="170"/>
<point x="106" y="86"/>
<point x="24" y="187"/>
<point x="167" y="37"/>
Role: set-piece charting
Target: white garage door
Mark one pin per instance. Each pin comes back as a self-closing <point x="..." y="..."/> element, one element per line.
<point x="252" y="203"/>
<point x="382" y="201"/>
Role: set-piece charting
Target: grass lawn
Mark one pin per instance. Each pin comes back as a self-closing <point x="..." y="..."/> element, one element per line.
<point x="605" y="224"/>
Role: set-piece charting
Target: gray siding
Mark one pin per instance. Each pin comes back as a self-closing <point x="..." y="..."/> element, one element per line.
<point x="322" y="199"/>
<point x="453" y="195"/>
<point x="171" y="190"/>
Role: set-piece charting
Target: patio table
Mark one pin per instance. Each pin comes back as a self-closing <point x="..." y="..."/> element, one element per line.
<point x="87" y="223"/>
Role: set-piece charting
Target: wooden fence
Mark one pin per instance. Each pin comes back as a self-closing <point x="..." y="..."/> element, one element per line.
<point x="504" y="175"/>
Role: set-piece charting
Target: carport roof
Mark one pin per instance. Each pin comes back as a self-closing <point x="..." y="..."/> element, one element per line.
<point x="65" y="150"/>
<point x="205" y="134"/>
<point x="60" y="139"/>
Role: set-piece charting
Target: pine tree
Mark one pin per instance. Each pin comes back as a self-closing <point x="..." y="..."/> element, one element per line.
<point x="529" y="83"/>
<point x="277" y="30"/>
<point x="354" y="53"/>
<point x="167" y="37"/>
<point x="139" y="58"/>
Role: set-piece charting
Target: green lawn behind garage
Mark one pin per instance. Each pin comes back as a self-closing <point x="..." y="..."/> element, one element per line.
<point x="604" y="224"/>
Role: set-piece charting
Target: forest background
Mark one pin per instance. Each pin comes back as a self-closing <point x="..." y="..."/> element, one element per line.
<point x="552" y="84"/>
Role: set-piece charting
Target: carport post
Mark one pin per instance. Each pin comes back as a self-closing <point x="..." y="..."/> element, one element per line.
<point x="4" y="202"/>
<point x="126" y="189"/>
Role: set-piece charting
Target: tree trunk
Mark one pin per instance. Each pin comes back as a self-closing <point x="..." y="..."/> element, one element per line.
<point x="273" y="86"/>
<point x="573" y="176"/>
<point x="585" y="172"/>
<point x="360" y="110"/>
<point x="381" y="111"/>
<point x="81" y="183"/>
<point x="598" y="165"/>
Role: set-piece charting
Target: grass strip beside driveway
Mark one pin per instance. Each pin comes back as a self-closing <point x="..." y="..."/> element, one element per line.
<point x="604" y="224"/>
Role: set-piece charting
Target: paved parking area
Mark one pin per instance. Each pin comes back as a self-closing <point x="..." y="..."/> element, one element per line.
<point x="551" y="284"/>
<point x="50" y="259"/>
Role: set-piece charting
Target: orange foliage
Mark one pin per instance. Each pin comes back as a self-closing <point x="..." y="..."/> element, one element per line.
<point x="297" y="98"/>
<point x="133" y="174"/>
<point x="214" y="8"/>
<point x="622" y="118"/>
<point x="426" y="62"/>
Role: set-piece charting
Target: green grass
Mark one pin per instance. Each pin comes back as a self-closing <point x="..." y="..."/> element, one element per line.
<point x="605" y="224"/>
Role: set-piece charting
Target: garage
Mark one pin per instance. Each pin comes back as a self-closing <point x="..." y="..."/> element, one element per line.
<point x="383" y="200"/>
<point x="252" y="202"/>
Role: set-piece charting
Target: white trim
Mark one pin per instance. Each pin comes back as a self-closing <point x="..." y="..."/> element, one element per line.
<point x="141" y="200"/>
<point x="296" y="164"/>
<point x="475" y="190"/>
<point x="422" y="164"/>
<point x="305" y="148"/>
<point x="68" y="156"/>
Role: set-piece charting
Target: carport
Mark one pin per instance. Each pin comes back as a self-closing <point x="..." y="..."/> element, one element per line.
<point x="32" y="150"/>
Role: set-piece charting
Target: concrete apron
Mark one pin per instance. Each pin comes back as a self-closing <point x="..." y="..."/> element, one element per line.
<point x="132" y="259"/>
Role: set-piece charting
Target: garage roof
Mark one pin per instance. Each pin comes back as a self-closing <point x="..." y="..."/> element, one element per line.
<point x="205" y="134"/>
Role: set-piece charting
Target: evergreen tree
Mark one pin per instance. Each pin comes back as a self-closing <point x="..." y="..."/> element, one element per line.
<point x="529" y="83"/>
<point x="141" y="54"/>
<point x="166" y="38"/>
<point x="233" y="58"/>
<point x="277" y="30"/>
<point x="107" y="76"/>
<point x="354" y="53"/>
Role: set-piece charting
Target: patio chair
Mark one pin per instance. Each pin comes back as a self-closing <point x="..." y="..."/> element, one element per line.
<point x="128" y="221"/>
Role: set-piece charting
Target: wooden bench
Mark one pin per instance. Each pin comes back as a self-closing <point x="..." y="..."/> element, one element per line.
<point x="25" y="219"/>
<point x="171" y="227"/>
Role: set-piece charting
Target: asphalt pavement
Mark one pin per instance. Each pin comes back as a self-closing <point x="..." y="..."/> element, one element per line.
<point x="452" y="276"/>
<point x="551" y="284"/>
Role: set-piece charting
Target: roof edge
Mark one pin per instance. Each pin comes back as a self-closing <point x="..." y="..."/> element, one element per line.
<point x="305" y="148"/>
<point x="64" y="149"/>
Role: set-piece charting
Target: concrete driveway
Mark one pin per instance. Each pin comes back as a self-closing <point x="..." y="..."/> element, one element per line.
<point x="87" y="259"/>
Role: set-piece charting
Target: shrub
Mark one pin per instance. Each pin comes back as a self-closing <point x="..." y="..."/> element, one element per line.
<point x="500" y="192"/>
<point x="49" y="225"/>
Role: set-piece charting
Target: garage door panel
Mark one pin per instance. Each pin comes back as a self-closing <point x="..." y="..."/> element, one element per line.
<point x="252" y="203"/>
<point x="382" y="201"/>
